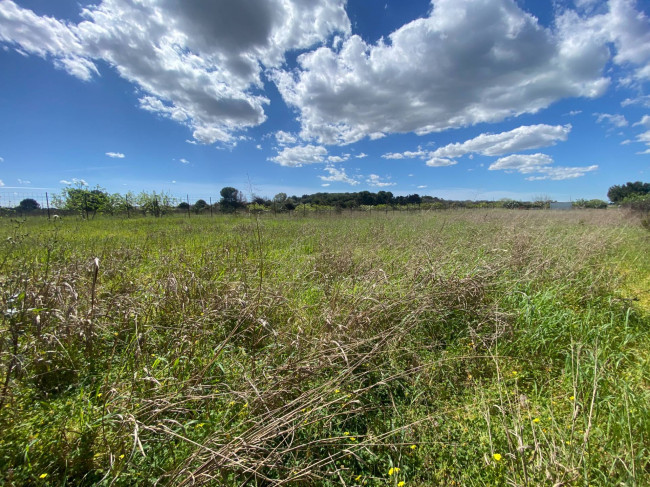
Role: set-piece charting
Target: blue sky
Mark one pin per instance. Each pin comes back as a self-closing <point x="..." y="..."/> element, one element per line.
<point x="460" y="99"/>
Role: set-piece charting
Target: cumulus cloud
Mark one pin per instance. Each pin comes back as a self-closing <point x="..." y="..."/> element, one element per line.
<point x="299" y="155"/>
<point x="378" y="182"/>
<point x="115" y="155"/>
<point x="361" y="156"/>
<point x="561" y="173"/>
<point x="184" y="161"/>
<point x="285" y="138"/>
<point x="470" y="61"/>
<point x="341" y="158"/>
<point x="522" y="138"/>
<point x="198" y="63"/>
<point x="24" y="181"/>
<point x="616" y="120"/>
<point x="540" y="164"/>
<point x="523" y="163"/>
<point x="338" y="175"/>
<point x="1" y="183"/>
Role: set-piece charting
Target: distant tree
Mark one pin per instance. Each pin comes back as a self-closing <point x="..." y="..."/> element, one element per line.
<point x="414" y="199"/>
<point x="231" y="199"/>
<point x="597" y="204"/>
<point x="156" y="204"/>
<point x="618" y="193"/>
<point x="183" y="205"/>
<point x="280" y="198"/>
<point x="200" y="205"/>
<point x="28" y="204"/>
<point x="80" y="199"/>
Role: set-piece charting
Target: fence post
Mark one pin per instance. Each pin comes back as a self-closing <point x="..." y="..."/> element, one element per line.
<point x="188" y="205"/>
<point x="47" y="201"/>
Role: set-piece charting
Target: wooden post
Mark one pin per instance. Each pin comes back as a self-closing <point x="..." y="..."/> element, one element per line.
<point x="47" y="201"/>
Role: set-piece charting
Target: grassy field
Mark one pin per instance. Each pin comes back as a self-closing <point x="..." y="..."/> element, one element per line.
<point x="464" y="348"/>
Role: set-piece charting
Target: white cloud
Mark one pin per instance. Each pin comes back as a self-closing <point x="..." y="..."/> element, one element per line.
<point x="198" y="63"/>
<point x="299" y="155"/>
<point x="325" y="185"/>
<point x="258" y="146"/>
<point x="523" y="163"/>
<point x="644" y="122"/>
<point x="338" y="175"/>
<point x="285" y="138"/>
<point x="407" y="155"/>
<point x="361" y="156"/>
<point x="115" y="155"/>
<point x="341" y="158"/>
<point x="24" y="181"/>
<point x="643" y="100"/>
<point x="74" y="181"/>
<point x="540" y="164"/>
<point x="422" y="186"/>
<point x="470" y="61"/>
<point x="378" y="182"/>
<point x="644" y="138"/>
<point x="2" y="160"/>
<point x="522" y="138"/>
<point x="440" y="162"/>
<point x="184" y="161"/>
<point x="616" y="120"/>
<point x="573" y="113"/>
<point x="561" y="173"/>
<point x="1" y="183"/>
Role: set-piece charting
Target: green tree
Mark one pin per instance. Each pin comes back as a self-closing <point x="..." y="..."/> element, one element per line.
<point x="618" y="193"/>
<point x="28" y="204"/>
<point x="200" y="205"/>
<point x="231" y="199"/>
<point x="156" y="204"/>
<point x="80" y="199"/>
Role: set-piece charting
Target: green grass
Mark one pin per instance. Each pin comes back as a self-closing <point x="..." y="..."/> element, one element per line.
<point x="449" y="348"/>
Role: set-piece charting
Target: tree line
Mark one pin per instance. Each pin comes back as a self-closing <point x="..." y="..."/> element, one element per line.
<point x="88" y="202"/>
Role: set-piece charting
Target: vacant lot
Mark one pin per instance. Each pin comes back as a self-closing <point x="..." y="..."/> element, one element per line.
<point x="449" y="348"/>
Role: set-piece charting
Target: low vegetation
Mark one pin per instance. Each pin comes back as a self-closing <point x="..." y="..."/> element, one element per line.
<point x="466" y="347"/>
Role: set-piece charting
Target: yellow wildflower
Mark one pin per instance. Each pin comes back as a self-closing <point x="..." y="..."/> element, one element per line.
<point x="536" y="420"/>
<point x="572" y="398"/>
<point x="352" y="438"/>
<point x="413" y="447"/>
<point x="347" y="433"/>
<point x="121" y="456"/>
<point x="42" y="476"/>
<point x="393" y="470"/>
<point x="497" y="457"/>
<point x="357" y="478"/>
<point x="400" y="483"/>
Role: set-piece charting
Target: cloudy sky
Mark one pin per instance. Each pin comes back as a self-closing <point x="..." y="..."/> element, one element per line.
<point x="477" y="99"/>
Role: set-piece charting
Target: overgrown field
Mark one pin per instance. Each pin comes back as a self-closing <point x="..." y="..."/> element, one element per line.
<point x="463" y="348"/>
